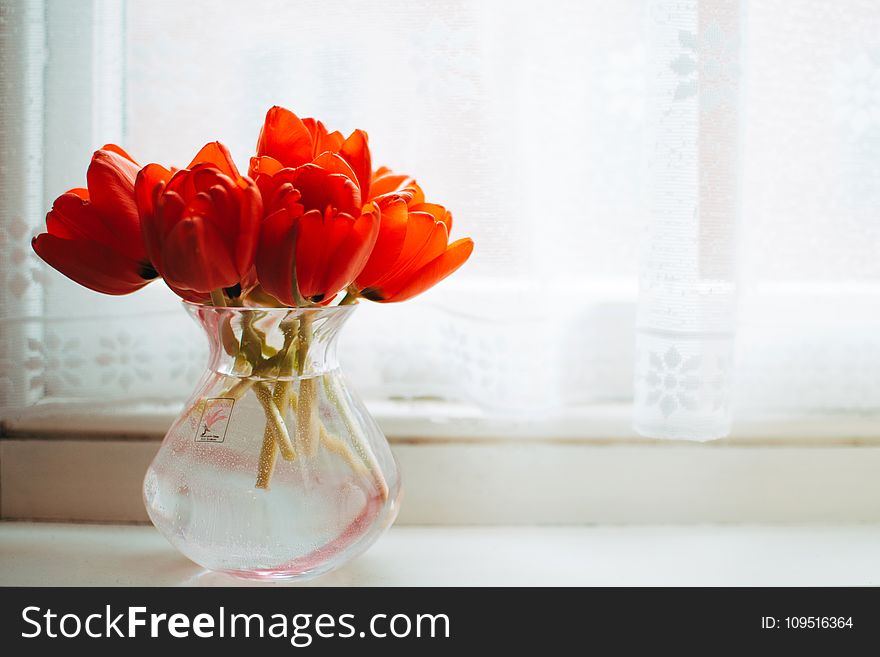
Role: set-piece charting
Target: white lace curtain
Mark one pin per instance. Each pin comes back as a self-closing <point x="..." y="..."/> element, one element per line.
<point x="675" y="204"/>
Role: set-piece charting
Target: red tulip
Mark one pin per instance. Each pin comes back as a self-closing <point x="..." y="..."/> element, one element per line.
<point x="317" y="234"/>
<point x="305" y="171"/>
<point x="315" y="237"/>
<point x="412" y="253"/>
<point x="94" y="234"/>
<point x="200" y="224"/>
<point x="292" y="142"/>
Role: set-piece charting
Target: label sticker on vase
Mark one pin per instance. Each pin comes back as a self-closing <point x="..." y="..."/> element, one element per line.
<point x="215" y="419"/>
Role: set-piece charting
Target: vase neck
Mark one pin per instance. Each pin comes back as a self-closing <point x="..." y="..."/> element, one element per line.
<point x="271" y="343"/>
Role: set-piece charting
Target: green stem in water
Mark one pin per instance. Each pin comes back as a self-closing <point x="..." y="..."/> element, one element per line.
<point x="274" y="400"/>
<point x="281" y="392"/>
<point x="276" y="429"/>
<point x="359" y="440"/>
<point x="340" y="448"/>
<point x="268" y="455"/>
<point x="333" y="443"/>
<point x="307" y="420"/>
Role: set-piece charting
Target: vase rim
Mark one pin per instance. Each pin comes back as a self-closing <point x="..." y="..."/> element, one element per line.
<point x="284" y="310"/>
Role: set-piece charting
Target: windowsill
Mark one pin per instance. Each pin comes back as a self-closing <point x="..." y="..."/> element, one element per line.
<point x="463" y="467"/>
<point x="429" y="421"/>
<point x="106" y="555"/>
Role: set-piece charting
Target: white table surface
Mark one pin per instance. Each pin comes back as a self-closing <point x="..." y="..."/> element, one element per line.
<point x="71" y="554"/>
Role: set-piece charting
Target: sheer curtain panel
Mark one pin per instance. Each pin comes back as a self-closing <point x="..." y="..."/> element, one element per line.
<point x="674" y="204"/>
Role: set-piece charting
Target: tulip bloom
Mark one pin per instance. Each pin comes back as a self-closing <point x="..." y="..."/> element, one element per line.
<point x="318" y="231"/>
<point x="317" y="177"/>
<point x="94" y="234"/>
<point x="412" y="253"/>
<point x="200" y="224"/>
<point x="316" y="237"/>
<point x="292" y="142"/>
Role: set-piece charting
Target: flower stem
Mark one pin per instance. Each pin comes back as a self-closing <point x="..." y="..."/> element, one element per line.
<point x="268" y="455"/>
<point x="238" y="389"/>
<point x="281" y="393"/>
<point x="351" y="296"/>
<point x="337" y="446"/>
<point x="250" y="349"/>
<point x="359" y="440"/>
<point x="275" y="432"/>
<point x="217" y="298"/>
<point x="333" y="443"/>
<point x="307" y="419"/>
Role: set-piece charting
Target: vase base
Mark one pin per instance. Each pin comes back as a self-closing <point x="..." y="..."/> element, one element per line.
<point x="274" y="575"/>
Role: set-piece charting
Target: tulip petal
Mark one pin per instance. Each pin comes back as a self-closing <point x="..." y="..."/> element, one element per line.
<point x="337" y="229"/>
<point x="195" y="257"/>
<point x="73" y="218"/>
<point x="249" y="280"/>
<point x="320" y="189"/>
<point x="420" y="227"/>
<point x="181" y="183"/>
<point x="156" y="226"/>
<point x="392" y="232"/>
<point x="275" y="256"/>
<point x="437" y="242"/>
<point x="417" y="253"/>
<point x="264" y="165"/>
<point x="90" y="264"/>
<point x="433" y="272"/>
<point x="148" y="179"/>
<point x="346" y="245"/>
<point x="205" y="176"/>
<point x="232" y="208"/>
<point x="311" y="255"/>
<point x="285" y="137"/>
<point x="111" y="191"/>
<point x="356" y="151"/>
<point x="118" y="150"/>
<point x="323" y="141"/>
<point x="334" y="163"/>
<point x="385" y="182"/>
<point x="203" y="298"/>
<point x="250" y="214"/>
<point x="277" y="194"/>
<point x="331" y="250"/>
<point x="216" y="202"/>
<point x="275" y="183"/>
<point x="170" y="206"/>
<point x="217" y="155"/>
<point x="418" y="196"/>
<point x="350" y="253"/>
<point x="437" y="211"/>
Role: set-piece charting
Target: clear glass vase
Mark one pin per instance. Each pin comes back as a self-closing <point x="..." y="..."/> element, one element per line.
<point x="275" y="469"/>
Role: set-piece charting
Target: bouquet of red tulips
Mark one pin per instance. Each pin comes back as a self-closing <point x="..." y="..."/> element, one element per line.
<point x="312" y="219"/>
<point x="312" y="224"/>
